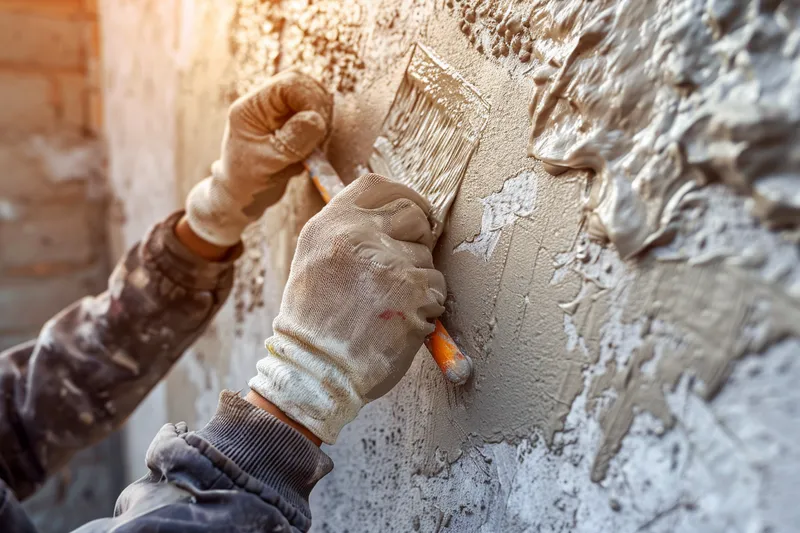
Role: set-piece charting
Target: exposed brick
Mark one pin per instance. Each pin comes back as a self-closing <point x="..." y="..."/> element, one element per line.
<point x="22" y="173"/>
<point x="95" y="102"/>
<point x="45" y="7"/>
<point x="27" y="102"/>
<point x="72" y="102"/>
<point x="48" y="238"/>
<point x="90" y="7"/>
<point x="93" y="55"/>
<point x="25" y="305"/>
<point x="24" y="179"/>
<point x="32" y="39"/>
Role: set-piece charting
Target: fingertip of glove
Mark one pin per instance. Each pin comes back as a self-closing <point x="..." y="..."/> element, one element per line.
<point x="302" y="133"/>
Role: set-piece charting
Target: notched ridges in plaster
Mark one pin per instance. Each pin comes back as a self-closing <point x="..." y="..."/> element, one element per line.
<point x="709" y="96"/>
<point x="516" y="199"/>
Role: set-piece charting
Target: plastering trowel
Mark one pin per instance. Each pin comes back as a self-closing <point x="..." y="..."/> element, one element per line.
<point x="428" y="137"/>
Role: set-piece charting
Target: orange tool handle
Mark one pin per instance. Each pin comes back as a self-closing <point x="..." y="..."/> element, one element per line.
<point x="454" y="364"/>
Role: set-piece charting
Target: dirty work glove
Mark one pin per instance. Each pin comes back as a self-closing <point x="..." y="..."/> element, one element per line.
<point x="269" y="129"/>
<point x="361" y="298"/>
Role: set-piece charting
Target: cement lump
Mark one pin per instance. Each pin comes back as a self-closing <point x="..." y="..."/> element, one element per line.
<point x="652" y="336"/>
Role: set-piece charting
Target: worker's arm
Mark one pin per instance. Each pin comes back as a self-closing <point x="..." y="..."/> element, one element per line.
<point x="96" y="360"/>
<point x="360" y="300"/>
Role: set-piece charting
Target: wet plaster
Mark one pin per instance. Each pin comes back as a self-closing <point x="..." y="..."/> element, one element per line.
<point x="727" y="466"/>
<point x="708" y="96"/>
<point x="623" y="382"/>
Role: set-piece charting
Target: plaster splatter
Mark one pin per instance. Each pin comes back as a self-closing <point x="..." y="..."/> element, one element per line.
<point x="728" y="465"/>
<point x="263" y="269"/>
<point x="498" y="28"/>
<point x="334" y="41"/>
<point x="68" y="158"/>
<point x="517" y="199"/>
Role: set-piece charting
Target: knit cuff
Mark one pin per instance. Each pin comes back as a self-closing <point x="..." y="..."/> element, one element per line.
<point x="267" y="449"/>
<point x="317" y="395"/>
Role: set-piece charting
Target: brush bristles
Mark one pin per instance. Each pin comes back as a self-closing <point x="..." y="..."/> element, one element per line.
<point x="427" y="142"/>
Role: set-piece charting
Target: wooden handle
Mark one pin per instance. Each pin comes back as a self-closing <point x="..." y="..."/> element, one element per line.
<point x="454" y="364"/>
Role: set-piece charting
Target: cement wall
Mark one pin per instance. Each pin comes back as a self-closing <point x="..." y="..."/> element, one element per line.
<point x="53" y="210"/>
<point x="622" y="259"/>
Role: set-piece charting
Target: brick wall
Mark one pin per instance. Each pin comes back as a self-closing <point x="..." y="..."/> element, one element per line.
<point x="52" y="206"/>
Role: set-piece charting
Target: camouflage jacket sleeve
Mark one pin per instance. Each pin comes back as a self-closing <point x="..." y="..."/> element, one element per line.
<point x="94" y="362"/>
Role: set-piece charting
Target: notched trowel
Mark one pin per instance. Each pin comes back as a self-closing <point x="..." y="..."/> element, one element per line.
<point x="427" y="140"/>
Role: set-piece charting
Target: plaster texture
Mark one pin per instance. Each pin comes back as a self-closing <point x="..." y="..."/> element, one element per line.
<point x="633" y="320"/>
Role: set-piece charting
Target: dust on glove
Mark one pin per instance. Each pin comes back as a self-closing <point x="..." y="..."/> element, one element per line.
<point x="360" y="300"/>
<point x="268" y="130"/>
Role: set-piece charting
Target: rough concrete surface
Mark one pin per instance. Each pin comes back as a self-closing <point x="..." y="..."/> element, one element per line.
<point x="621" y="259"/>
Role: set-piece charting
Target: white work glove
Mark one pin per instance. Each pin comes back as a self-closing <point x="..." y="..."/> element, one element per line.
<point x="268" y="130"/>
<point x="361" y="298"/>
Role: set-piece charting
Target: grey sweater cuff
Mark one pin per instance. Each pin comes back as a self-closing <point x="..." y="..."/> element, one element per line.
<point x="267" y="449"/>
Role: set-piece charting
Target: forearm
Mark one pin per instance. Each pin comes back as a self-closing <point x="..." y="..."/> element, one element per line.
<point x="94" y="362"/>
<point x="259" y="401"/>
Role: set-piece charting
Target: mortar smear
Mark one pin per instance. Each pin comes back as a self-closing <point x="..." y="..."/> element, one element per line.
<point x="517" y="199"/>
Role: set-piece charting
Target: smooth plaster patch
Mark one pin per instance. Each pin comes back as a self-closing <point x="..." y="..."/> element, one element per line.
<point x="517" y="199"/>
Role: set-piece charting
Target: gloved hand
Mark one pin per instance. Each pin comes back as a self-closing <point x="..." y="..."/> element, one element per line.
<point x="361" y="298"/>
<point x="268" y="130"/>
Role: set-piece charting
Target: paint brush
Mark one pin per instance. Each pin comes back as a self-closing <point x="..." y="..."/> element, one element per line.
<point x="430" y="133"/>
